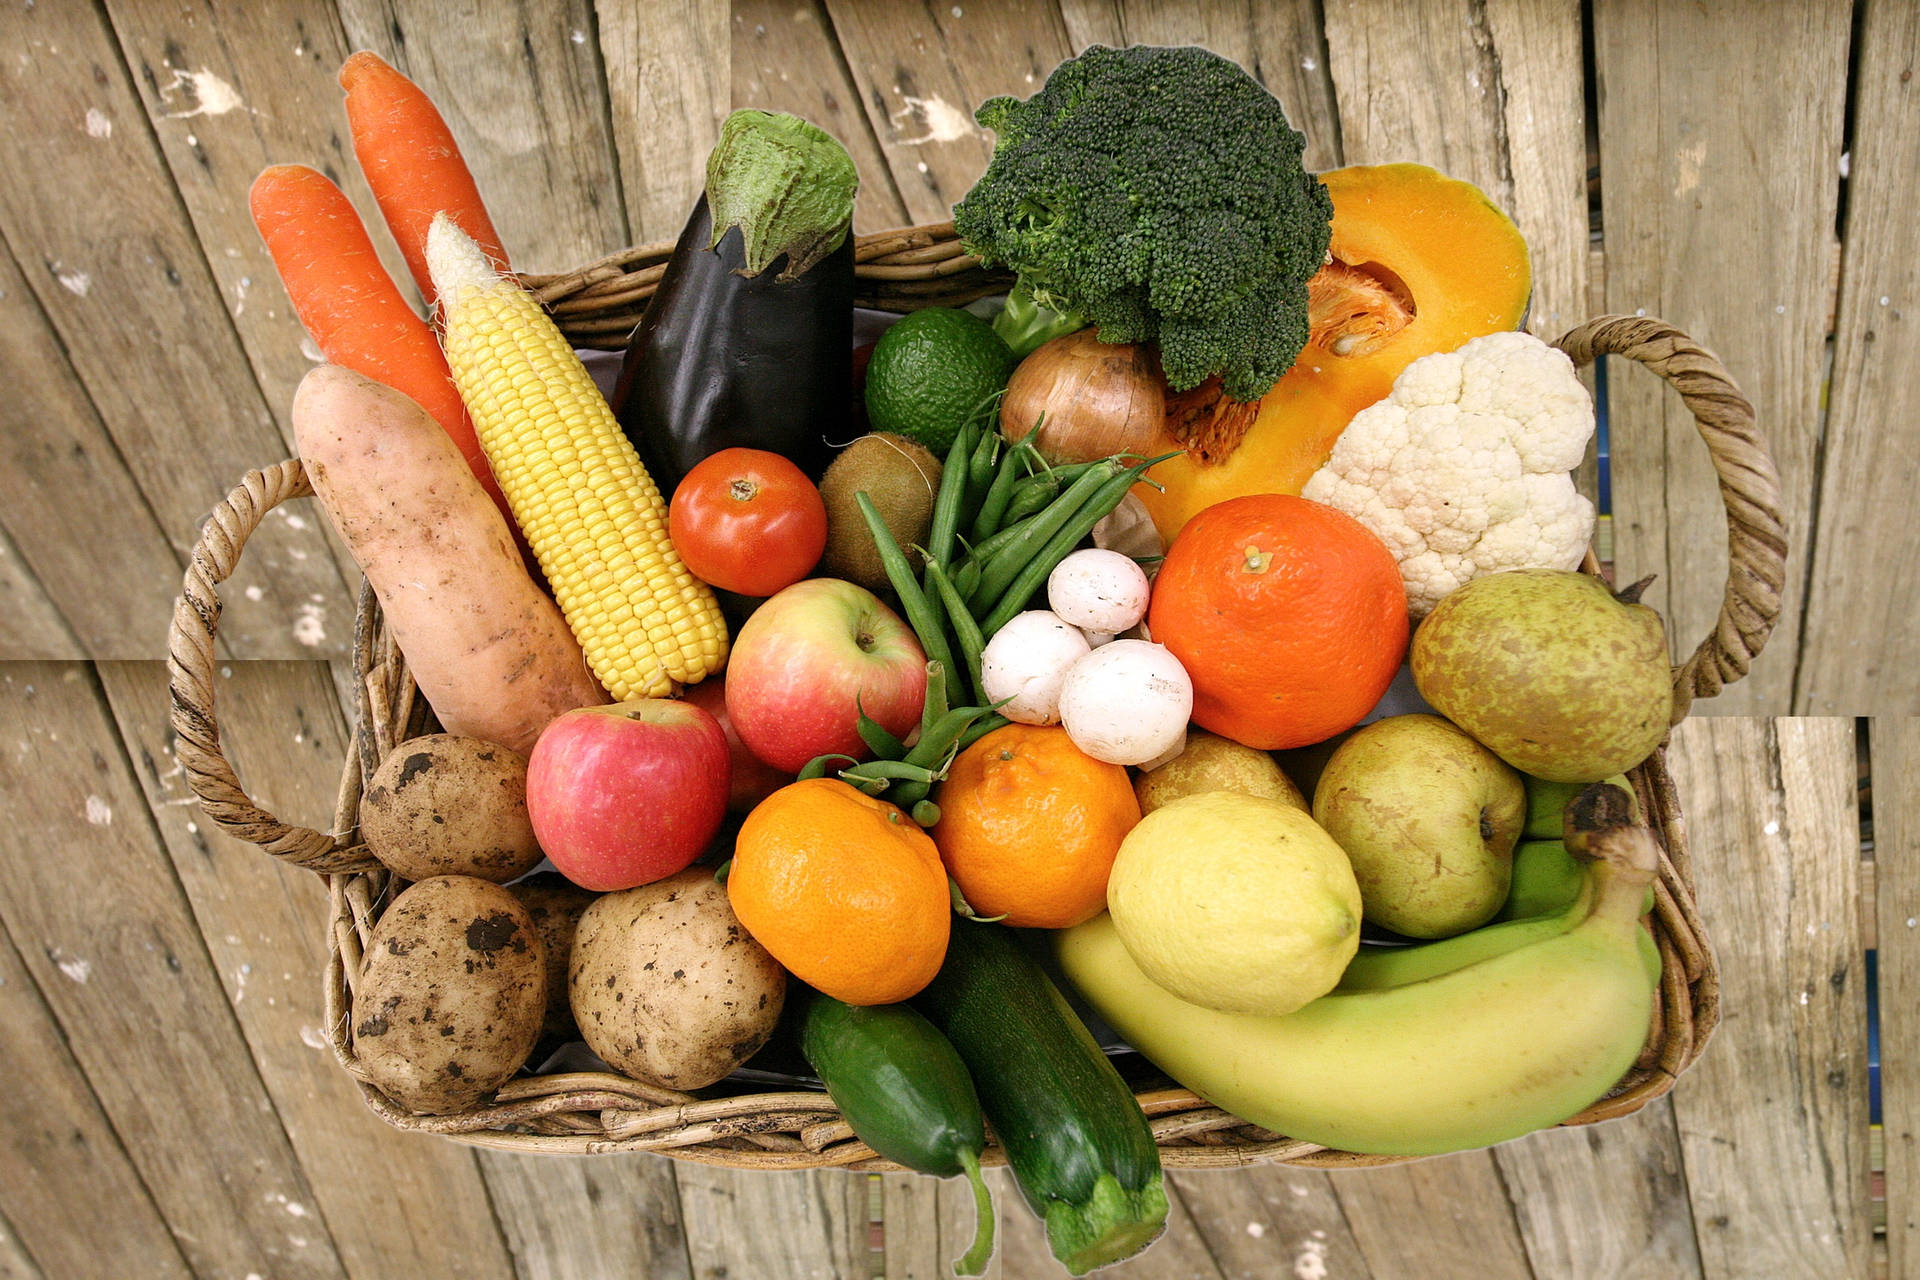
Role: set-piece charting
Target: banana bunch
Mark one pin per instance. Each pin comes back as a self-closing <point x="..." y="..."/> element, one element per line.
<point x="1422" y="1050"/>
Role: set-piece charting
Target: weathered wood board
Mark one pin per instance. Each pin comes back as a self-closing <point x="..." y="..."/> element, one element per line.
<point x="114" y="262"/>
<point x="1627" y="1178"/>
<point x="69" y="500"/>
<point x="567" y="1219"/>
<point x="1773" y="1118"/>
<point x="668" y="76"/>
<point x="1718" y="197"/>
<point x="1858" y="653"/>
<point x="393" y="1202"/>
<point x="1485" y="92"/>
<point x="126" y="971"/>
<point x="523" y="88"/>
<point x="785" y="59"/>
<point x="1896" y="852"/>
<point x="68" y="1182"/>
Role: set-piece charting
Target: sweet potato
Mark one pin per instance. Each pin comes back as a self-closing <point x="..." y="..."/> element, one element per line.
<point x="488" y="649"/>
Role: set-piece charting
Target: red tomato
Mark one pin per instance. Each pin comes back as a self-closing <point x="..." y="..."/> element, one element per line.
<point x="748" y="521"/>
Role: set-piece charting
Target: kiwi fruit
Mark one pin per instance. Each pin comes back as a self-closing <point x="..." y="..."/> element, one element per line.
<point x="901" y="478"/>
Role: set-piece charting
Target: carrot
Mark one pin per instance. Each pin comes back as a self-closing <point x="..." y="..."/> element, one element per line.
<point x="412" y="163"/>
<point x="351" y="307"/>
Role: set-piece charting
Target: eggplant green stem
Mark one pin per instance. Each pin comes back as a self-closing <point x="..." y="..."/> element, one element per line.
<point x="786" y="184"/>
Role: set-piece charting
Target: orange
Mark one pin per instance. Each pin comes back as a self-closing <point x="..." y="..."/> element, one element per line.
<point x="1290" y="617"/>
<point x="1029" y="826"/>
<point x="844" y="890"/>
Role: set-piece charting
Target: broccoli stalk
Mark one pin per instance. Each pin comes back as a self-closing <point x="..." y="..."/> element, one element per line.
<point x="1159" y="193"/>
<point x="1026" y="323"/>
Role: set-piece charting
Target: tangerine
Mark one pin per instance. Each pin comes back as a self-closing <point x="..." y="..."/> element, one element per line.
<point x="1290" y="617"/>
<point x="1029" y="826"/>
<point x="843" y="889"/>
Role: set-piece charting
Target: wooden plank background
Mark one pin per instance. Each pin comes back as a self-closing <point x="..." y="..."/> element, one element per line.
<point x="159" y="353"/>
<point x="175" y="1111"/>
<point x="175" y="1108"/>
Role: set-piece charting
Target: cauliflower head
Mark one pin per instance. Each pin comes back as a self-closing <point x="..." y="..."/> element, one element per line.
<point x="1463" y="470"/>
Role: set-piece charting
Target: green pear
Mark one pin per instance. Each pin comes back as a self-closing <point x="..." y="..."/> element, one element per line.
<point x="1560" y="677"/>
<point x="1429" y="819"/>
<point x="1211" y="763"/>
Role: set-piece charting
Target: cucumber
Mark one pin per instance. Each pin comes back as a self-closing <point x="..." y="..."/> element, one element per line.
<point x="1076" y="1139"/>
<point x="906" y="1093"/>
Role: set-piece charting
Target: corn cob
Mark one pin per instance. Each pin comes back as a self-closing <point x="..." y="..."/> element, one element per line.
<point x="578" y="491"/>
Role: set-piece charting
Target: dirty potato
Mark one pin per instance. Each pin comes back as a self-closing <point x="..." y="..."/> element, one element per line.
<point x="451" y="993"/>
<point x="555" y="903"/>
<point x="444" y="805"/>
<point x="668" y="987"/>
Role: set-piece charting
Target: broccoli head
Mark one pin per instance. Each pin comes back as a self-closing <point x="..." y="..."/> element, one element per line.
<point x="1160" y="193"/>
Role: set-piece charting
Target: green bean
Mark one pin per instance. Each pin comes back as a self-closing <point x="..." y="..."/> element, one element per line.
<point x="926" y="813"/>
<point x="818" y="766"/>
<point x="1009" y="560"/>
<point x="1059" y="475"/>
<point x="936" y="608"/>
<point x="1034" y="571"/>
<point x="965" y="629"/>
<point x="993" y="508"/>
<point x="966" y="577"/>
<point x="935" y="704"/>
<point x="947" y="731"/>
<point x="981" y="728"/>
<point x="946" y="503"/>
<point x="984" y="551"/>
<point x="876" y="735"/>
<point x="933" y="634"/>
<point x="908" y="795"/>
<point x="1029" y="498"/>
<point x="981" y="468"/>
<point x="887" y="771"/>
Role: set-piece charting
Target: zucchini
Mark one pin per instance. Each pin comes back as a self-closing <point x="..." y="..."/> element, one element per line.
<point x="1076" y="1139"/>
<point x="906" y="1093"/>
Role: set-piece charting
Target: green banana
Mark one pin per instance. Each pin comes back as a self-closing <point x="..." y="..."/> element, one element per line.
<point x="1377" y="968"/>
<point x="1546" y="801"/>
<point x="1497" y="1048"/>
<point x="1546" y="879"/>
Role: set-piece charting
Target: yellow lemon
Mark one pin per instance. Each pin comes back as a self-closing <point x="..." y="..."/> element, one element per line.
<point x="1235" y="902"/>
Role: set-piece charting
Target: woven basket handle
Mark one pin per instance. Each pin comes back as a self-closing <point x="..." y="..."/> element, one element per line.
<point x="190" y="663"/>
<point x="1749" y="486"/>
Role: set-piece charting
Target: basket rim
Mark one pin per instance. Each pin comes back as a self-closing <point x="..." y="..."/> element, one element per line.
<point x="594" y="1112"/>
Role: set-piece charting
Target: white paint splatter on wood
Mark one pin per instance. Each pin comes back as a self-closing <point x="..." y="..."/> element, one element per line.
<point x="98" y="124"/>
<point x="945" y="122"/>
<point x="77" y="968"/>
<point x="1310" y="1263"/>
<point x="310" y="628"/>
<point x="211" y="95"/>
<point x="99" y="812"/>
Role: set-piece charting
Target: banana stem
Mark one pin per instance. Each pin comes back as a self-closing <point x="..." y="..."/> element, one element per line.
<point x="1626" y="860"/>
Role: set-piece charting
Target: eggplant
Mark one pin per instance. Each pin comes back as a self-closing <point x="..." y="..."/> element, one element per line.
<point x="749" y="340"/>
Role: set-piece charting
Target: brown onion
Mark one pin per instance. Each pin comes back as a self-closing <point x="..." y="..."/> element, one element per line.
<point x="1092" y="399"/>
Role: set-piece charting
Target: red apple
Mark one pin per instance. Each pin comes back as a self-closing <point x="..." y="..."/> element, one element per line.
<point x="629" y="793"/>
<point x="753" y="780"/>
<point x="809" y="660"/>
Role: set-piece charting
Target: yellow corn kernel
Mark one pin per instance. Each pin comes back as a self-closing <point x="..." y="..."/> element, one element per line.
<point x="593" y="516"/>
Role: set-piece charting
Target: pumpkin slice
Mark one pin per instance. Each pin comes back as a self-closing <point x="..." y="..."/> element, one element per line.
<point x="1420" y="263"/>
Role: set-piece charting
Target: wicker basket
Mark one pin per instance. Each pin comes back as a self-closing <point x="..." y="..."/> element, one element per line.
<point x="585" y="1113"/>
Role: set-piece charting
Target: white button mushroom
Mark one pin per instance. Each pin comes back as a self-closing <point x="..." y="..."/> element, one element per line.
<point x="1099" y="590"/>
<point x="1026" y="660"/>
<point x="1127" y="702"/>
